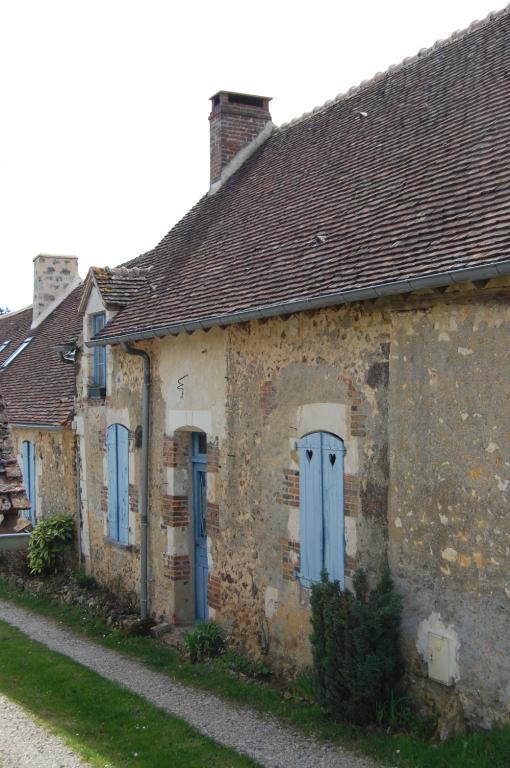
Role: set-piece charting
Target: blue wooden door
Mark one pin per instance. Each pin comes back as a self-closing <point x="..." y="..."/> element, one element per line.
<point x="199" y="463"/>
<point x="321" y="460"/>
<point x="28" y="461"/>
<point x="117" y="443"/>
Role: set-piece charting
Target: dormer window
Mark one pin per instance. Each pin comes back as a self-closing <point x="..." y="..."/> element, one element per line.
<point x="16" y="352"/>
<point x="4" y="344"/>
<point x="97" y="387"/>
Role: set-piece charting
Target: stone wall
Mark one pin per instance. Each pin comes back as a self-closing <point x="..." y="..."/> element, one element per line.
<point x="326" y="371"/>
<point x="414" y="387"/>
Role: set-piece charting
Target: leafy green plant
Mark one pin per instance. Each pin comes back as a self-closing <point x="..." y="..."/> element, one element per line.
<point x="82" y="579"/>
<point x="303" y="686"/>
<point x="355" y="645"/>
<point x="239" y="664"/>
<point x="205" y="641"/>
<point x="397" y="715"/>
<point x="48" y="543"/>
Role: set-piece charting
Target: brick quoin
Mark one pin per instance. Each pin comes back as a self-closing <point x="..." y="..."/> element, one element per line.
<point x="169" y="452"/>
<point x="291" y="556"/>
<point x="213" y="518"/>
<point x="175" y="511"/>
<point x="213" y="457"/>
<point x="267" y="398"/>
<point x="289" y="494"/>
<point x="352" y="499"/>
<point x="358" y="419"/>
<point x="133" y="498"/>
<point x="104" y="499"/>
<point x="213" y="592"/>
<point x="177" y="567"/>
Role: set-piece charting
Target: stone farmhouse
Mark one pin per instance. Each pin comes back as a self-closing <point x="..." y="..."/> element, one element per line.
<point x="309" y="371"/>
<point x="38" y="385"/>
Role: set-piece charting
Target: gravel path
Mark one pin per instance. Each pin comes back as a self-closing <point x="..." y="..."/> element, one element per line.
<point x="24" y="744"/>
<point x="264" y="739"/>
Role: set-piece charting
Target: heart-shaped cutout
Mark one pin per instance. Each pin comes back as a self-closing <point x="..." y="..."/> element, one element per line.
<point x="332" y="458"/>
<point x="309" y="454"/>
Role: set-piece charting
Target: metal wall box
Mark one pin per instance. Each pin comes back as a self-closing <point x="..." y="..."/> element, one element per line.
<point x="438" y="656"/>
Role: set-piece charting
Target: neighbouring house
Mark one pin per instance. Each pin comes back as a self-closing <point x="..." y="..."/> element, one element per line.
<point x="13" y="499"/>
<point x="37" y="383"/>
<point x="311" y="371"/>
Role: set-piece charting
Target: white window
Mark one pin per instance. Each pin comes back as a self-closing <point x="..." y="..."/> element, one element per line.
<point x="3" y="345"/>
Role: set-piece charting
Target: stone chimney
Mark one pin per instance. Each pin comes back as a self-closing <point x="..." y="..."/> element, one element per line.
<point x="54" y="277"/>
<point x="236" y="120"/>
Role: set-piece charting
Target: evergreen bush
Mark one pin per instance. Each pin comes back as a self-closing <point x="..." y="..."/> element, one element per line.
<point x="48" y="543"/>
<point x="355" y="645"/>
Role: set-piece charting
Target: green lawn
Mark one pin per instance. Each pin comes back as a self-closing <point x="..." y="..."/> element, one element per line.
<point x="480" y="749"/>
<point x="105" y="724"/>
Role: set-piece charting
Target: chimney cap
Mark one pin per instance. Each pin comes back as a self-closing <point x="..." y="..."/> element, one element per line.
<point x="54" y="256"/>
<point x="240" y="99"/>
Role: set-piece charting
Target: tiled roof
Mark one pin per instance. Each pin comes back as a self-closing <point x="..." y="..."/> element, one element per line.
<point x="407" y="176"/>
<point x="118" y="286"/>
<point x="38" y="386"/>
<point x="12" y="491"/>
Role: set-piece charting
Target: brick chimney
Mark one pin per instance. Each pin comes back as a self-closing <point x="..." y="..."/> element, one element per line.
<point x="236" y="120"/>
<point x="54" y="277"/>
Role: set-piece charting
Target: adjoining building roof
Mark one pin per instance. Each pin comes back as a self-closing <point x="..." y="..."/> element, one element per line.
<point x="38" y="386"/>
<point x="405" y="177"/>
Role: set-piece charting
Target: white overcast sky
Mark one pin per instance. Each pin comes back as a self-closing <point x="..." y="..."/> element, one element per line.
<point x="104" y="105"/>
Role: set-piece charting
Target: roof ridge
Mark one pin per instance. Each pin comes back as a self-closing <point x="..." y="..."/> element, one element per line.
<point x="458" y="34"/>
<point x="123" y="271"/>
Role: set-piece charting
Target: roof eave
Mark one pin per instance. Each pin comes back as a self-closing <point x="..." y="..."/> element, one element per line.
<point x="28" y="425"/>
<point x="375" y="291"/>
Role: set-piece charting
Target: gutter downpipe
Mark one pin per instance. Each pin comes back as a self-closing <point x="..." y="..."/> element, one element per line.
<point x="144" y="483"/>
<point x="78" y="496"/>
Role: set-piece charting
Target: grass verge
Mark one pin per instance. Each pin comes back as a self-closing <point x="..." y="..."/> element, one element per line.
<point x="479" y="749"/>
<point x="105" y="724"/>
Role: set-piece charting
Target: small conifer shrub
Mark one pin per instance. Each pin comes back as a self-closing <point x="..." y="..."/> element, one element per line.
<point x="355" y="644"/>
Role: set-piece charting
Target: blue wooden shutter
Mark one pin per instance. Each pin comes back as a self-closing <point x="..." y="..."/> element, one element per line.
<point x="113" y="519"/>
<point x="123" y="482"/>
<point x="333" y="505"/>
<point x="28" y="459"/>
<point x="310" y="518"/>
<point x="98" y="323"/>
